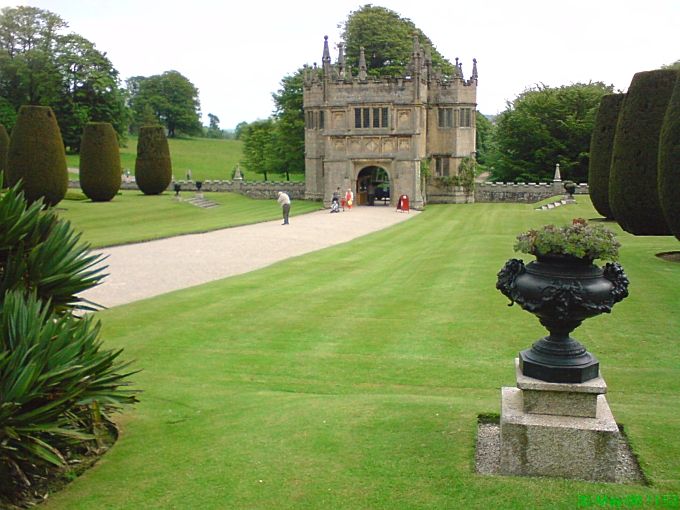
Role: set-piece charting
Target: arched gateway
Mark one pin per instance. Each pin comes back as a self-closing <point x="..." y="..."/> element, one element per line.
<point x="368" y="134"/>
<point x="372" y="186"/>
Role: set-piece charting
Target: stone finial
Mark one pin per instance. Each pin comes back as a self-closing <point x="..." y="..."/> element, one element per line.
<point x="341" y="61"/>
<point x="457" y="73"/>
<point x="557" y="177"/>
<point x="362" y="64"/>
<point x="428" y="62"/>
<point x="474" y="70"/>
<point x="326" y="59"/>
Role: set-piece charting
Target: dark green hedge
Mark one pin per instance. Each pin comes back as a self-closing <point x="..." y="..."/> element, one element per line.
<point x="601" y="143"/>
<point x="633" y="189"/>
<point x="36" y="155"/>
<point x="99" y="162"/>
<point x="153" y="168"/>
<point x="669" y="162"/>
<point x="4" y="147"/>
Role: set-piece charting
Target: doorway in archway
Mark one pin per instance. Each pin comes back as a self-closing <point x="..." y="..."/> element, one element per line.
<point x="373" y="186"/>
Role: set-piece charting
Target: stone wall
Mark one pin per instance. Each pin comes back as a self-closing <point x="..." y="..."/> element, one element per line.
<point x="484" y="192"/>
<point x="252" y="189"/>
<point x="528" y="192"/>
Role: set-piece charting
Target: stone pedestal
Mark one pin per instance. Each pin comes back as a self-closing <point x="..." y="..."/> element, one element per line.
<point x="558" y="429"/>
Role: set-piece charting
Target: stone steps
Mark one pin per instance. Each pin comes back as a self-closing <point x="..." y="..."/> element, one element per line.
<point x="202" y="202"/>
<point x="552" y="205"/>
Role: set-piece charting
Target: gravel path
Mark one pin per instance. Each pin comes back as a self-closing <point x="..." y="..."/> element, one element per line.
<point x="142" y="270"/>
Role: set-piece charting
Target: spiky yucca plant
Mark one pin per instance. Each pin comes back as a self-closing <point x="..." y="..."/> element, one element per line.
<point x="56" y="382"/>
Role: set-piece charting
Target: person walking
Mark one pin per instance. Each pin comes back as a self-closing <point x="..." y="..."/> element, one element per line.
<point x="284" y="202"/>
<point x="349" y="198"/>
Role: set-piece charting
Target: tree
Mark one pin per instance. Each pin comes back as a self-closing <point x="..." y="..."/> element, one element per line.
<point x="171" y="97"/>
<point x="288" y="140"/>
<point x="214" y="130"/>
<point x="633" y="178"/>
<point x="90" y="90"/>
<point x="669" y="162"/>
<point x="257" y="146"/>
<point x="387" y="39"/>
<point x="544" y="126"/>
<point x="4" y="148"/>
<point x="675" y="65"/>
<point x="601" y="145"/>
<point x="153" y="167"/>
<point x="36" y="156"/>
<point x="41" y="66"/>
<point x="99" y="162"/>
<point x="484" y="134"/>
<point x="8" y="116"/>
<point x="238" y="130"/>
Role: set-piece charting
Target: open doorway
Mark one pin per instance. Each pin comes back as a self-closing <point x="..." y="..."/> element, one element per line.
<point x="373" y="186"/>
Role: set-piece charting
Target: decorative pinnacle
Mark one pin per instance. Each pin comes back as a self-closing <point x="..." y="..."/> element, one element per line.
<point x="326" y="53"/>
<point x="362" y="64"/>
<point x="557" y="177"/>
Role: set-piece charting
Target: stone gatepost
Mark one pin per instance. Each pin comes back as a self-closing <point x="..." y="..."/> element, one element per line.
<point x="558" y="429"/>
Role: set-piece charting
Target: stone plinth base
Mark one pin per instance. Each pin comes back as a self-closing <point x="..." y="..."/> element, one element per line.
<point x="558" y="429"/>
<point x="561" y="399"/>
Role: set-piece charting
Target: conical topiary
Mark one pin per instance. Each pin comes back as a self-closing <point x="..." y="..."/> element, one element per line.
<point x="99" y="162"/>
<point x="36" y="155"/>
<point x="153" y="168"/>
<point x="669" y="162"/>
<point x="4" y="147"/>
<point x="633" y="190"/>
<point x="601" y="143"/>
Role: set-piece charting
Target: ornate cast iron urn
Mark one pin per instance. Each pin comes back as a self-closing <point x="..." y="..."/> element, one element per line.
<point x="562" y="291"/>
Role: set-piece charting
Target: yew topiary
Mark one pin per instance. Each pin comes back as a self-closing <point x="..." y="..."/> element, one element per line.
<point x="153" y="168"/>
<point x="633" y="187"/>
<point x="4" y="147"/>
<point x="601" y="143"/>
<point x="36" y="155"/>
<point x="99" y="162"/>
<point x="669" y="162"/>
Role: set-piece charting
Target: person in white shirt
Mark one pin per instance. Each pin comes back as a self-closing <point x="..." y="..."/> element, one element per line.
<point x="284" y="202"/>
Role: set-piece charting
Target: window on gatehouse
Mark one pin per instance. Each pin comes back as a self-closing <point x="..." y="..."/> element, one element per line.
<point x="375" y="117"/>
<point x="442" y="166"/>
<point x="445" y="117"/>
<point x="466" y="117"/>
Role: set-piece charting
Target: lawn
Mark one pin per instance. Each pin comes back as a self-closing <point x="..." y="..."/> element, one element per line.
<point x="352" y="377"/>
<point x="208" y="159"/>
<point x="132" y="216"/>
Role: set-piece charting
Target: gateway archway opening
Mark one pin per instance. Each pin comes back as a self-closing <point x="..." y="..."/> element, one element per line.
<point x="373" y="186"/>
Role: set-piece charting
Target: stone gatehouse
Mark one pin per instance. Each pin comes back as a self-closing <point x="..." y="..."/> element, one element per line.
<point x="373" y="135"/>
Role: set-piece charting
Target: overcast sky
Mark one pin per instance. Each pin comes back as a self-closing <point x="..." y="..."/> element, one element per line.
<point x="236" y="53"/>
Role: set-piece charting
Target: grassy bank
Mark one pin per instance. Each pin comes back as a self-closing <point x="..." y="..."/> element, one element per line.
<point x="132" y="216"/>
<point x="352" y="377"/>
<point x="208" y="159"/>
